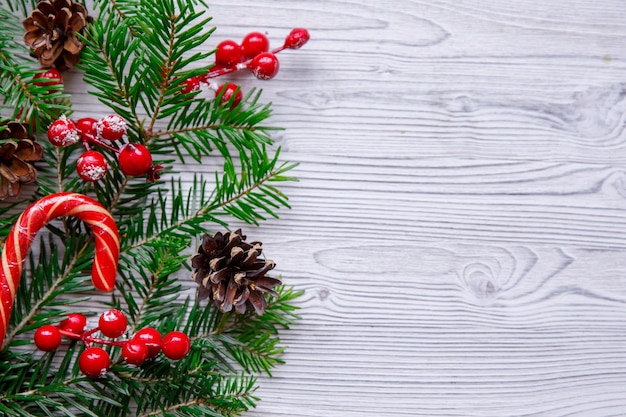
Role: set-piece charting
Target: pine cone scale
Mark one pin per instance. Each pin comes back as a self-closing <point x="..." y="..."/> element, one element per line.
<point x="18" y="170"/>
<point x="266" y="284"/>
<point x="7" y="174"/>
<point x="257" y="300"/>
<point x="8" y="189"/>
<point x="76" y="23"/>
<point x="28" y="151"/>
<point x="231" y="273"/>
<point x="45" y="7"/>
<point x="73" y="45"/>
<point x="218" y="276"/>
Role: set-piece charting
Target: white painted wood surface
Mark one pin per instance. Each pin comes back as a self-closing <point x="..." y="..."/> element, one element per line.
<point x="459" y="226"/>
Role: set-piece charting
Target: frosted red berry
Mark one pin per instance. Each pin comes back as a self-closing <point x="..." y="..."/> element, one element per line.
<point x="151" y="338"/>
<point x="190" y="85"/>
<point x="228" y="54"/>
<point x="48" y="338"/>
<point x="226" y="93"/>
<point x="74" y="323"/>
<point x="175" y="345"/>
<point x="135" y="352"/>
<point x="91" y="166"/>
<point x="253" y="44"/>
<point x="63" y="132"/>
<point x="112" y="323"/>
<point x="51" y="76"/>
<point x="94" y="362"/>
<point x="264" y="66"/>
<point x="135" y="159"/>
<point x="296" y="38"/>
<point x="111" y="127"/>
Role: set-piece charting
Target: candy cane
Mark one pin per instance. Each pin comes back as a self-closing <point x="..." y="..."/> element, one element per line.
<point x="35" y="217"/>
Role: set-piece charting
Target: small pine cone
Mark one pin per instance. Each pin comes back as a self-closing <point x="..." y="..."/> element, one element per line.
<point x="17" y="149"/>
<point x="231" y="274"/>
<point x="51" y="32"/>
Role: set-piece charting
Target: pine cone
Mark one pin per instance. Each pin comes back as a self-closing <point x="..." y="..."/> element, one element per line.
<point x="230" y="273"/>
<point x="51" y="32"/>
<point x="18" y="148"/>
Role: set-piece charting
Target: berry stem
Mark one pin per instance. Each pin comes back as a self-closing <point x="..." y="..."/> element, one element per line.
<point x="279" y="49"/>
<point x="71" y="335"/>
<point x="88" y="340"/>
<point x="87" y="139"/>
<point x="89" y="332"/>
<point x="227" y="70"/>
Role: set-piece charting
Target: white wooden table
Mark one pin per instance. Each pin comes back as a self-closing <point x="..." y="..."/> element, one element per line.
<point x="459" y="226"/>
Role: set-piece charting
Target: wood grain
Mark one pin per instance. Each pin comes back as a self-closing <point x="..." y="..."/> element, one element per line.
<point x="460" y="217"/>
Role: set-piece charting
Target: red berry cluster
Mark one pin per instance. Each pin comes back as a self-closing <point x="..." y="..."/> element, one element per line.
<point x="94" y="361"/>
<point x="252" y="54"/>
<point x="134" y="159"/>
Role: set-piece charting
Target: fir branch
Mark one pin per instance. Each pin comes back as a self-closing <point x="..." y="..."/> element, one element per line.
<point x="109" y="47"/>
<point x="187" y="218"/>
<point x="21" y="94"/>
<point x="138" y="55"/>
<point x="252" y="340"/>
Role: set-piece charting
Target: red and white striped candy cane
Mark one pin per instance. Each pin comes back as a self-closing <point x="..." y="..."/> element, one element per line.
<point x="35" y="217"/>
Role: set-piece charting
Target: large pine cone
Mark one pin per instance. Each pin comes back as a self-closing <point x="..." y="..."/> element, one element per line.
<point x="51" y="32"/>
<point x="231" y="274"/>
<point x="17" y="149"/>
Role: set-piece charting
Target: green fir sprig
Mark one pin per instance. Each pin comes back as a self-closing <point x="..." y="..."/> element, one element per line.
<point x="23" y="98"/>
<point x="138" y="54"/>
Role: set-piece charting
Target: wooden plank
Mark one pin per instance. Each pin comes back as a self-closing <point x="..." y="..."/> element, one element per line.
<point x="459" y="224"/>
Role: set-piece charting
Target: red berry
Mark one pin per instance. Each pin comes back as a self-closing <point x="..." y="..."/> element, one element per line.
<point x="175" y="345"/>
<point x="151" y="338"/>
<point x="135" y="352"/>
<point x="253" y="44"/>
<point x="191" y="85"/>
<point x="228" y="54"/>
<point x="94" y="362"/>
<point x="264" y="66"/>
<point x="87" y="127"/>
<point x="91" y="166"/>
<point x="63" y="132"/>
<point x="112" y="323"/>
<point x="227" y="91"/>
<point x="48" y="338"/>
<point x="51" y="76"/>
<point x="135" y="159"/>
<point x="74" y="323"/>
<point x="296" y="38"/>
<point x="111" y="127"/>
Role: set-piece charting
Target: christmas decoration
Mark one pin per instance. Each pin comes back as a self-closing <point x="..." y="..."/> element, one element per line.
<point x="134" y="159"/>
<point x="253" y="54"/>
<point x="36" y="216"/>
<point x="91" y="166"/>
<point x="51" y="32"/>
<point x="63" y="132"/>
<point x="155" y="349"/>
<point x="231" y="273"/>
<point x="95" y="362"/>
<point x="17" y="151"/>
